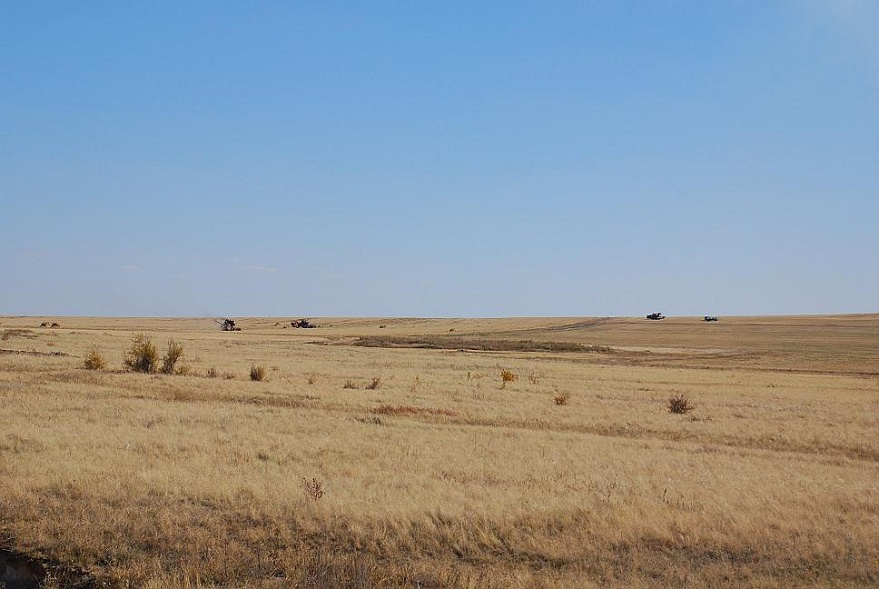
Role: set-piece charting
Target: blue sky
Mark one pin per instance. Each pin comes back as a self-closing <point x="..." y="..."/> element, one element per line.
<point x="439" y="158"/>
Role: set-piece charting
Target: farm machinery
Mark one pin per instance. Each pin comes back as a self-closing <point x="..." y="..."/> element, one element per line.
<point x="227" y="325"/>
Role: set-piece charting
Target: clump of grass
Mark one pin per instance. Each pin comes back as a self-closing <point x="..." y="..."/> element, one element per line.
<point x="561" y="398"/>
<point x="172" y="356"/>
<point x="679" y="404"/>
<point x="142" y="355"/>
<point x="374" y="384"/>
<point x="349" y="384"/>
<point x="212" y="372"/>
<point x="311" y="377"/>
<point x="94" y="360"/>
<point x="257" y="372"/>
<point x="507" y="376"/>
<point x="314" y="489"/>
<point x="533" y="378"/>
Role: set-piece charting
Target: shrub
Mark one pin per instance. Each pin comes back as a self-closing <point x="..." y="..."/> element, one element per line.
<point x="507" y="376"/>
<point x="175" y="352"/>
<point x="561" y="398"/>
<point x="142" y="355"/>
<point x="311" y="377"/>
<point x="376" y="383"/>
<point x="349" y="384"/>
<point x="94" y="360"/>
<point x="212" y="372"/>
<point x="258" y="372"/>
<point x="314" y="489"/>
<point x="679" y="404"/>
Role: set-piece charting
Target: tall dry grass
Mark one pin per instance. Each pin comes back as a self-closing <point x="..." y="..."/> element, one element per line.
<point x="158" y="481"/>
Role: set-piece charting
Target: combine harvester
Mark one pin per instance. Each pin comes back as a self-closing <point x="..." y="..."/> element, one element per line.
<point x="227" y="325"/>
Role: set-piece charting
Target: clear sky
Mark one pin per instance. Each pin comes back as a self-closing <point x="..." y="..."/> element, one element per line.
<point x="439" y="158"/>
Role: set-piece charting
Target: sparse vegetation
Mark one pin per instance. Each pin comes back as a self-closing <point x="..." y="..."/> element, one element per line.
<point x="172" y="356"/>
<point x="349" y="384"/>
<point x="94" y="360"/>
<point x="679" y="404"/>
<point x="561" y="398"/>
<point x="212" y="372"/>
<point x="258" y="372"/>
<point x="374" y="384"/>
<point x="142" y="355"/>
<point x="314" y="489"/>
<point x="311" y="377"/>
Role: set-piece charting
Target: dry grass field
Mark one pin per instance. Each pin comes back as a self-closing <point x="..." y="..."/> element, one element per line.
<point x="392" y="453"/>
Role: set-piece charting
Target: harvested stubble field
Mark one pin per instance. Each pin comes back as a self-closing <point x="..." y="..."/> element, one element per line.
<point x="390" y="452"/>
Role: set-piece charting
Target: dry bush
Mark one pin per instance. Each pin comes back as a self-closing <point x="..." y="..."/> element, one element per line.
<point x="311" y="377"/>
<point x="349" y="384"/>
<point x="258" y="372"/>
<point x="314" y="489"/>
<point x="374" y="384"/>
<point x="679" y="404"/>
<point x="94" y="360"/>
<point x="142" y="355"/>
<point x="172" y="356"/>
<point x="507" y="376"/>
<point x="212" y="372"/>
<point x="561" y="398"/>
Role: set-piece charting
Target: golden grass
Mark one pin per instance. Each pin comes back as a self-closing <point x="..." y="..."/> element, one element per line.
<point x="152" y="480"/>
